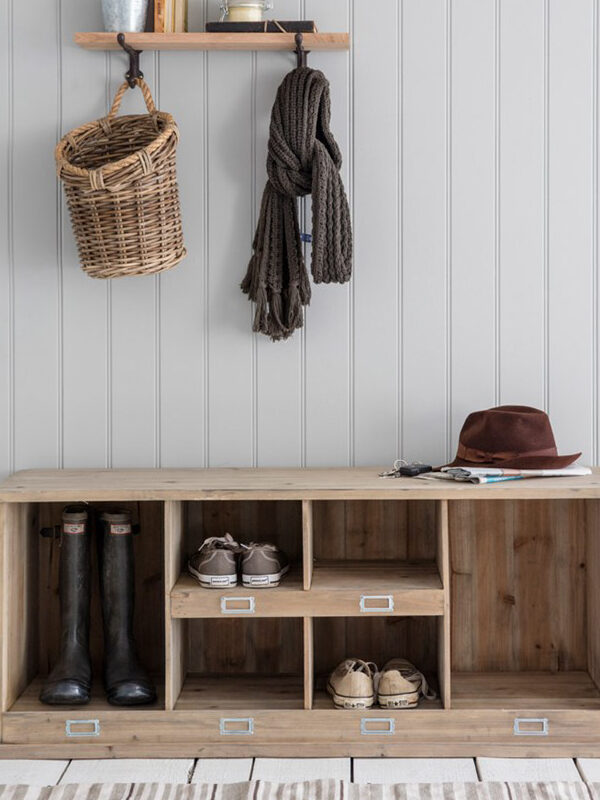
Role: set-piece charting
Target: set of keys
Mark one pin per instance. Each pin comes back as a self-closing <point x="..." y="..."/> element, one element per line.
<point x="405" y="469"/>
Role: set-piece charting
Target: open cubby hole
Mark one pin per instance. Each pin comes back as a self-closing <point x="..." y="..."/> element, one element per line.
<point x="524" y="583"/>
<point x="385" y="540"/>
<point x="242" y="663"/>
<point x="275" y="521"/>
<point x="33" y="586"/>
<point x="362" y="531"/>
<point x="377" y="639"/>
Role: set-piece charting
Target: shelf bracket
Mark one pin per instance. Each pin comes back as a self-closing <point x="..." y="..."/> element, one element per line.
<point x="134" y="72"/>
<point x="301" y="53"/>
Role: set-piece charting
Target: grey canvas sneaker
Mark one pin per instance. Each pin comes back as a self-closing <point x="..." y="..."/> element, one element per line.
<point x="214" y="564"/>
<point x="262" y="565"/>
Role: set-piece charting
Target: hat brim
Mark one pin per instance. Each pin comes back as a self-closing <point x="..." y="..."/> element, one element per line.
<point x="522" y="462"/>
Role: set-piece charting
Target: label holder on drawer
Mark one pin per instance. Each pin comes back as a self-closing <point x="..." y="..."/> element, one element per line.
<point x="384" y="731"/>
<point x="71" y="726"/>
<point x="224" y="722"/>
<point x="386" y="603"/>
<point x="249" y="609"/>
<point x="542" y="729"/>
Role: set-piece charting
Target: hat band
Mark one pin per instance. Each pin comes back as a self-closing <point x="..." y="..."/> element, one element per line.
<point x="481" y="456"/>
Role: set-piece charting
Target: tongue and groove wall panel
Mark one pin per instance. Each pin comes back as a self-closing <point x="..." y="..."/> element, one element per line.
<point x="520" y="293"/>
<point x="35" y="363"/>
<point x="469" y="134"/>
<point x="183" y="294"/>
<point x="571" y="235"/>
<point x="85" y="304"/>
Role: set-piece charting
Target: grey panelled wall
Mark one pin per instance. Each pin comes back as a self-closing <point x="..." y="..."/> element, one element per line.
<point x="470" y="135"/>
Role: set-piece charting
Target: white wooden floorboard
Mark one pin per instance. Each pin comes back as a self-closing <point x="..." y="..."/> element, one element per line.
<point x="222" y="770"/>
<point x="34" y="773"/>
<point x="413" y="770"/>
<point x="291" y="770"/>
<point x="527" y="769"/>
<point x="589" y="768"/>
<point x="130" y="770"/>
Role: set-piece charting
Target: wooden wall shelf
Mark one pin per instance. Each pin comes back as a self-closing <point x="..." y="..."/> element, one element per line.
<point x="214" y="41"/>
<point x="493" y="591"/>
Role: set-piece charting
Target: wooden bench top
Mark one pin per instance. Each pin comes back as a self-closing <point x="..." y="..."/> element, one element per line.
<point x="71" y="485"/>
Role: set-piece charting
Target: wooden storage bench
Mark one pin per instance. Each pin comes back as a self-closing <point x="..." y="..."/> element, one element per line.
<point x="493" y="591"/>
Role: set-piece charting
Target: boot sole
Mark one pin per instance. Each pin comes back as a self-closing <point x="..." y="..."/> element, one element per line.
<point x="264" y="581"/>
<point x="213" y="581"/>
<point x="341" y="701"/>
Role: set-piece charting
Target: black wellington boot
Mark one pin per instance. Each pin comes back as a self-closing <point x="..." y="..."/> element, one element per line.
<point x="70" y="680"/>
<point x="126" y="682"/>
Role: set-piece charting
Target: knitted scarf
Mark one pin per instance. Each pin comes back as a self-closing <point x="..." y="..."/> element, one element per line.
<point x="303" y="158"/>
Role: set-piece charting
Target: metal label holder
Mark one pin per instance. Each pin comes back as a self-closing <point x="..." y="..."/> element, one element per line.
<point x="543" y="730"/>
<point x="72" y="724"/>
<point x="250" y="608"/>
<point x="225" y="721"/>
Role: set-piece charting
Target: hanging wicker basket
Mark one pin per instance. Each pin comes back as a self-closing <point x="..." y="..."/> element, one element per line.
<point x="121" y="186"/>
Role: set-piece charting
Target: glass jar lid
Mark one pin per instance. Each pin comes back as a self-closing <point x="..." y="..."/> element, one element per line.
<point x="262" y="5"/>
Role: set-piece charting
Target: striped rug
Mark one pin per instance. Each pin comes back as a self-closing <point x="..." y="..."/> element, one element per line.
<point x="311" y="790"/>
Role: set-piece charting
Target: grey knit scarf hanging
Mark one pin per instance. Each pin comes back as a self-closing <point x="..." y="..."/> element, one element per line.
<point x="303" y="158"/>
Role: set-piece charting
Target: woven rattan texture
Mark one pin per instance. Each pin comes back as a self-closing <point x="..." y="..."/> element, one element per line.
<point x="120" y="180"/>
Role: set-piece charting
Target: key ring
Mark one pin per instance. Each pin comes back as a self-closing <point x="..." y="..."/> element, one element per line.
<point x="400" y="464"/>
<point x="394" y="472"/>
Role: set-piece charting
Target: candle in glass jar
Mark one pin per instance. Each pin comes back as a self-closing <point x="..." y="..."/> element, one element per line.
<point x="245" y="13"/>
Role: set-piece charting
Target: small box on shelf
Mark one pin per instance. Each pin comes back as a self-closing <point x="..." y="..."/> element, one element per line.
<point x="267" y="26"/>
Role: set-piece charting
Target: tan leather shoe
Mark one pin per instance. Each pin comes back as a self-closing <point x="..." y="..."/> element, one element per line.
<point x="351" y="684"/>
<point x="401" y="685"/>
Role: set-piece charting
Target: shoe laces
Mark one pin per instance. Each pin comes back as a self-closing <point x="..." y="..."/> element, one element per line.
<point x="358" y="665"/>
<point x="226" y="542"/>
<point x="259" y="546"/>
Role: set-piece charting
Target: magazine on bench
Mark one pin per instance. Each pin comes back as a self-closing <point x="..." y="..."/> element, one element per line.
<point x="495" y="475"/>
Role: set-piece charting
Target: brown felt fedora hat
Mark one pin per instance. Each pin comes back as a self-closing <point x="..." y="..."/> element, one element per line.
<point x="513" y="437"/>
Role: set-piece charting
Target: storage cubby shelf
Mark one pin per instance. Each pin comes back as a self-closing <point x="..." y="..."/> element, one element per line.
<point x="338" y="589"/>
<point x="246" y="692"/>
<point x="541" y="690"/>
<point x="491" y="591"/>
<point x="214" y="41"/>
<point x="29" y="700"/>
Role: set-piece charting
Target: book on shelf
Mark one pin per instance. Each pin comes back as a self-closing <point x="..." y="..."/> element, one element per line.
<point x="170" y="16"/>
<point x="159" y="16"/>
<point x="180" y="23"/>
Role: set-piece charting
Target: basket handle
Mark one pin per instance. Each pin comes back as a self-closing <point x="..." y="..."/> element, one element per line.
<point x="119" y="96"/>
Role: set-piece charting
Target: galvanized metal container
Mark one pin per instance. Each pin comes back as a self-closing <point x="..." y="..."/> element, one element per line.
<point x="128" y="16"/>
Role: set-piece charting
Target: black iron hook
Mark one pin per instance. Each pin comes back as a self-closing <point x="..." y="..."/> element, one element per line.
<point x="134" y="72"/>
<point x="301" y="53"/>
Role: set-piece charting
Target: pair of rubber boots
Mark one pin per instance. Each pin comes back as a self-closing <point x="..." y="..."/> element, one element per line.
<point x="70" y="681"/>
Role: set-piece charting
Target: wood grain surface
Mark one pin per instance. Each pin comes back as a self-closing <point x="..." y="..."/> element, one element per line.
<point x="214" y="41"/>
<point x="72" y="485"/>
